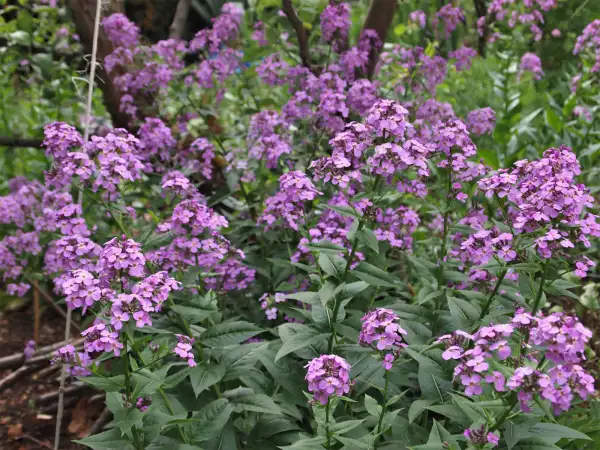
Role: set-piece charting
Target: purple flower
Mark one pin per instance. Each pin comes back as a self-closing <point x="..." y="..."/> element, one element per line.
<point x="143" y="403"/>
<point x="389" y="120"/>
<point x="418" y="17"/>
<point x="479" y="437"/>
<point x="335" y="24"/>
<point x="120" y="30"/>
<point x="463" y="57"/>
<point x="449" y="16"/>
<point x="381" y="331"/>
<point x="328" y="375"/>
<point x="184" y="349"/>
<point x="29" y="349"/>
<point x="481" y="121"/>
<point x="60" y="138"/>
<point x="530" y="62"/>
<point x="121" y="255"/>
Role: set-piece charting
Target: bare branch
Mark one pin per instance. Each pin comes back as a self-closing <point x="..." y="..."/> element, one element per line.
<point x="290" y="12"/>
<point x="178" y="26"/>
<point x="8" y="141"/>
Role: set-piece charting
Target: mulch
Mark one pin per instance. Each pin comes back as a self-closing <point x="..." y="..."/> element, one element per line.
<point x="25" y="422"/>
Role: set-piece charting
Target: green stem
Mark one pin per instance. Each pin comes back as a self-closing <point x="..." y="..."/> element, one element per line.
<point x="505" y="414"/>
<point x="337" y="303"/>
<point x="327" y="411"/>
<point x="385" y="393"/>
<point x="488" y="303"/>
<point x="247" y="199"/>
<point x="538" y="298"/>
<point x="128" y="399"/>
<point x="164" y="397"/>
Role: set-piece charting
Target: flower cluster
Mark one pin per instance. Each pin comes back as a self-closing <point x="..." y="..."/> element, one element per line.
<point x="479" y="436"/>
<point x="335" y="24"/>
<point x="295" y="188"/>
<point x="481" y="121"/>
<point x="530" y="62"/>
<point x="380" y="329"/>
<point x="560" y="338"/>
<point x="328" y="375"/>
<point x="546" y="199"/>
<point x="183" y="349"/>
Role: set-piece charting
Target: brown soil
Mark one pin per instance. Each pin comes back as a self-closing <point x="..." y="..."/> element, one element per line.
<point x="24" y="423"/>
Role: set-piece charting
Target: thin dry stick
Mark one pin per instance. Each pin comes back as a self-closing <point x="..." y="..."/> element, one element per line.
<point x="36" y="315"/>
<point x="88" y="115"/>
<point x="54" y="306"/>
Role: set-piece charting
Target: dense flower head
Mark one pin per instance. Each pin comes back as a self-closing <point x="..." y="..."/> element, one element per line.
<point x="546" y="198"/>
<point x="77" y="361"/>
<point x="190" y="216"/>
<point x="156" y="139"/>
<point x="273" y="70"/>
<point x="121" y="255"/>
<point x="120" y="30"/>
<point x="380" y="329"/>
<point x="362" y="95"/>
<point x="560" y="338"/>
<point x="335" y="24"/>
<point x="74" y="252"/>
<point x="29" y="349"/>
<point x="590" y="39"/>
<point x="60" y="138"/>
<point x="328" y="375"/>
<point x="100" y="337"/>
<point x="481" y="121"/>
<point x="463" y="57"/>
<point x="230" y="275"/>
<point x="143" y="403"/>
<point x="295" y="188"/>
<point x="388" y="119"/>
<point x="418" y="17"/>
<point x="154" y="290"/>
<point x="449" y="16"/>
<point x="183" y="349"/>
<point x="530" y="62"/>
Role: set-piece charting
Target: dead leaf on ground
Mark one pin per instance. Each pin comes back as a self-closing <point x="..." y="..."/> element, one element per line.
<point x="15" y="430"/>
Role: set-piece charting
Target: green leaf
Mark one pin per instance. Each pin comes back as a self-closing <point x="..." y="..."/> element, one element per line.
<point x="453" y="412"/>
<point x="344" y="427"/>
<point x="193" y="314"/>
<point x="374" y="275"/>
<point x="106" y="440"/>
<point x="205" y="375"/>
<point x="553" y="120"/>
<point x="554" y="432"/>
<point x="176" y="378"/>
<point x="309" y="298"/>
<point x="367" y="238"/>
<point x="211" y="420"/>
<point x="344" y="211"/>
<point x="417" y="407"/>
<point x="372" y="407"/>
<point x="354" y="444"/>
<point x="299" y="339"/>
<point x="258" y="403"/>
<point x="326" y="246"/>
<point x="113" y="384"/>
<point x="332" y="264"/>
<point x="535" y="443"/>
<point x="463" y="313"/>
<point x="229" y="333"/>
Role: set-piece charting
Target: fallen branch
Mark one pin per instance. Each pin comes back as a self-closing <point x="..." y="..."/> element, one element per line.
<point x="15" y="376"/>
<point x="47" y="356"/>
<point x="8" y="141"/>
<point x="178" y="26"/>
<point x="16" y="359"/>
<point x="301" y="34"/>
<point x="70" y="390"/>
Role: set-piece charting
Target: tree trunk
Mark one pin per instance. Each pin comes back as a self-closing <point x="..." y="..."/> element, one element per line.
<point x="380" y="17"/>
<point x="83" y="17"/>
